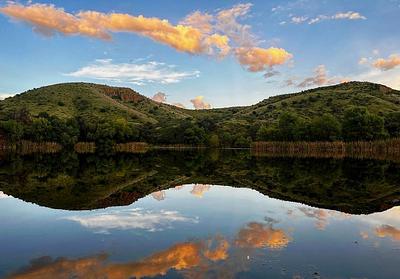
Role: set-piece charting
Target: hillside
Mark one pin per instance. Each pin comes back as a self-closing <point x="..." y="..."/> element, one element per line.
<point x="124" y="115"/>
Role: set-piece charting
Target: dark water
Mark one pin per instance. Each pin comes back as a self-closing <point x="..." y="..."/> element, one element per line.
<point x="198" y="215"/>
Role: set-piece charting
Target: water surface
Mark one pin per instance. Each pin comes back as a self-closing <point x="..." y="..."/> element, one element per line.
<point x="198" y="215"/>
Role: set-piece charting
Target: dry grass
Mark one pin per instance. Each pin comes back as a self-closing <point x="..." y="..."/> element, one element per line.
<point x="131" y="147"/>
<point x="85" y="147"/>
<point x="380" y="150"/>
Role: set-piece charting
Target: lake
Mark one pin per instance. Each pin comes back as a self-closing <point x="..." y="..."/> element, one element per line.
<point x="198" y="214"/>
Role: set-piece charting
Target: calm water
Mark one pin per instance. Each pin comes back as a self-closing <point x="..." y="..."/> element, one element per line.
<point x="198" y="215"/>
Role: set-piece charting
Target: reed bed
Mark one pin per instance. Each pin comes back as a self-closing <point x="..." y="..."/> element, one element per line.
<point x="131" y="147"/>
<point x="178" y="147"/>
<point x="85" y="147"/>
<point x="28" y="147"/>
<point x="379" y="150"/>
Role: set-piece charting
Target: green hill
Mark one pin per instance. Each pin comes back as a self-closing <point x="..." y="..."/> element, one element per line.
<point x="92" y="112"/>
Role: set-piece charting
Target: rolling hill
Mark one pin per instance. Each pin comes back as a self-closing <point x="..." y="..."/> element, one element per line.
<point x="163" y="123"/>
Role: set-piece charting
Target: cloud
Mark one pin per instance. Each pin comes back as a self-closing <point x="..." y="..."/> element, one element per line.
<point x="199" y="103"/>
<point x="388" y="231"/>
<point x="4" y="196"/>
<point x="350" y="15"/>
<point x="389" y="78"/>
<point x="390" y="63"/>
<point x="298" y="19"/>
<point x="198" y="33"/>
<point x="227" y="23"/>
<point x="200" y="21"/>
<point x="363" y="61"/>
<point x="320" y="78"/>
<point x="257" y="235"/>
<point x="271" y="73"/>
<point x="48" y="19"/>
<point x="320" y="215"/>
<point x="159" y="195"/>
<point x="179" y="105"/>
<point x="5" y="96"/>
<point x="159" y="97"/>
<point x="139" y="74"/>
<point x="257" y="59"/>
<point x="181" y="256"/>
<point x="130" y="219"/>
<point x="199" y="190"/>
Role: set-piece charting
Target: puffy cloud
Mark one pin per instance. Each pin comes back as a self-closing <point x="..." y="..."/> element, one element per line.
<point x="159" y="195"/>
<point x="139" y="74"/>
<point x="199" y="33"/>
<point x="259" y="59"/>
<point x="391" y="62"/>
<point x="199" y="190"/>
<point x="160" y="97"/>
<point x="257" y="235"/>
<point x="320" y="78"/>
<point x="320" y="215"/>
<point x="199" y="103"/>
<point x="200" y="21"/>
<point x="4" y="196"/>
<point x="48" y="19"/>
<point x="181" y="256"/>
<point x="179" y="105"/>
<point x="227" y="23"/>
<point x="350" y="15"/>
<point x="130" y="219"/>
<point x="388" y="231"/>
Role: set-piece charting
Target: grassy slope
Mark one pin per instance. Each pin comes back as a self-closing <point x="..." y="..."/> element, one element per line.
<point x="115" y="102"/>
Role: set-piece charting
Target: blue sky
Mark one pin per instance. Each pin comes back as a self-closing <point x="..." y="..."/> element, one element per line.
<point x="265" y="47"/>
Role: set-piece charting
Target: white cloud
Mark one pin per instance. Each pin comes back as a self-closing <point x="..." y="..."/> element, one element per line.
<point x="5" y="95"/>
<point x="350" y="15"/>
<point x="4" y="196"/>
<point x="140" y="74"/>
<point x="388" y="78"/>
<point x="130" y="219"/>
<point x="319" y="78"/>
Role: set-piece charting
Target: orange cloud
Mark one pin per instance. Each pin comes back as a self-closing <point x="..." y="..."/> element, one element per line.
<point x="320" y="215"/>
<point x="387" y="64"/>
<point x="388" y="231"/>
<point x="257" y="235"/>
<point x="159" y="195"/>
<point x="159" y="97"/>
<point x="199" y="103"/>
<point x="199" y="190"/>
<point x="258" y="59"/>
<point x="48" y="19"/>
<point x="198" y="33"/>
<point x="179" y="257"/>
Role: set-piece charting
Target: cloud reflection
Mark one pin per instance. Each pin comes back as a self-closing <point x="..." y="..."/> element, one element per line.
<point x="130" y="219"/>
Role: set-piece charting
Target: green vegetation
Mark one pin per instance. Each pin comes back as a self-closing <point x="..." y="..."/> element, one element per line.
<point x="72" y="181"/>
<point x="72" y="112"/>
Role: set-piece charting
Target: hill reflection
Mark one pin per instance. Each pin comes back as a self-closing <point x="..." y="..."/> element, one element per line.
<point x="75" y="182"/>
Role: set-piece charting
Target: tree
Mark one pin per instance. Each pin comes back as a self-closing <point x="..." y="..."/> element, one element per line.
<point x="359" y="124"/>
<point x="288" y="126"/>
<point x="213" y="140"/>
<point x="392" y="124"/>
<point x="325" y="128"/>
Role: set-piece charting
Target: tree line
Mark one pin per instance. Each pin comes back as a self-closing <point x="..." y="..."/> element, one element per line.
<point x="356" y="124"/>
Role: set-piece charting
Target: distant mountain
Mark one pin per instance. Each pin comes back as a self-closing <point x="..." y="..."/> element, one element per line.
<point x="163" y="123"/>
